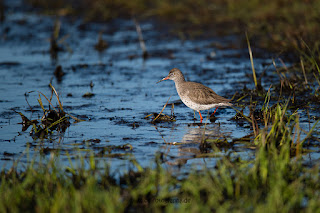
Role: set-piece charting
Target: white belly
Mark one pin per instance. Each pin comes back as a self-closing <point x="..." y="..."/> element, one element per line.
<point x="198" y="107"/>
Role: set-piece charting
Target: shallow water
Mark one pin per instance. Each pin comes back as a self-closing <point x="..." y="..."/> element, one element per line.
<point x="125" y="90"/>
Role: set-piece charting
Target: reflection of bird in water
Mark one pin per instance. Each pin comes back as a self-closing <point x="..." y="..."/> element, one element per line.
<point x="198" y="134"/>
<point x="189" y="147"/>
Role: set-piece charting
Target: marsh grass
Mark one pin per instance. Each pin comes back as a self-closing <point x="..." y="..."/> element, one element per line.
<point x="273" y="181"/>
<point x="282" y="127"/>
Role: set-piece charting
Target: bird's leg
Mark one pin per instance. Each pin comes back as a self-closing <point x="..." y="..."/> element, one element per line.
<point x="214" y="111"/>
<point x="194" y="115"/>
<point x="201" y="118"/>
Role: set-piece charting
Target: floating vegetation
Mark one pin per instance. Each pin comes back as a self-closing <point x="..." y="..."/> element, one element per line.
<point x="160" y="117"/>
<point x="108" y="149"/>
<point x="102" y="44"/>
<point x="53" y="119"/>
<point x="88" y="95"/>
<point x="96" y="140"/>
<point x="220" y="143"/>
<point x="58" y="73"/>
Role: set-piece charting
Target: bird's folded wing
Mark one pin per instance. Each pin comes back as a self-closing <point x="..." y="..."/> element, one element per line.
<point x="204" y="96"/>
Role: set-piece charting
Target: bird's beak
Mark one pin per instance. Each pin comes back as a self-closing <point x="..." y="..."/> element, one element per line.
<point x="166" y="78"/>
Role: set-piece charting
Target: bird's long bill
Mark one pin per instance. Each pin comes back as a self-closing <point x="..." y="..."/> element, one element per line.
<point x="166" y="78"/>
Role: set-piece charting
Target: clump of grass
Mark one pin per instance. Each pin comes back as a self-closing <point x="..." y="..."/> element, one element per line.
<point x="275" y="123"/>
<point x="160" y="117"/>
<point x="282" y="128"/>
<point x="53" y="119"/>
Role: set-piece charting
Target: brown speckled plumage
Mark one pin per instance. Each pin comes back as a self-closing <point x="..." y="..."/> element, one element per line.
<point x="195" y="95"/>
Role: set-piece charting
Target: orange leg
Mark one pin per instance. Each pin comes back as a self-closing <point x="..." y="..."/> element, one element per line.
<point x="214" y="111"/>
<point x="201" y="118"/>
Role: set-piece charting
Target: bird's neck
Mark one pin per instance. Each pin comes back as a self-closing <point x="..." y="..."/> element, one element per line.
<point x="178" y="83"/>
<point x="179" y="80"/>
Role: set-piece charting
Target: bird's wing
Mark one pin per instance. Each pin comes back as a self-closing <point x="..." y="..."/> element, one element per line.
<point x="203" y="95"/>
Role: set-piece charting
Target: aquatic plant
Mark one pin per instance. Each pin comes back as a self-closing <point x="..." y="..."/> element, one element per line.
<point x="53" y="119"/>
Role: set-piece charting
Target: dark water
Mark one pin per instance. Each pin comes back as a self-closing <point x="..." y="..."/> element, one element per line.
<point x="124" y="88"/>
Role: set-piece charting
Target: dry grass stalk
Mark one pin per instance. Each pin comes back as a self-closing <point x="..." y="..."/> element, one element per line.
<point x="161" y="110"/>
